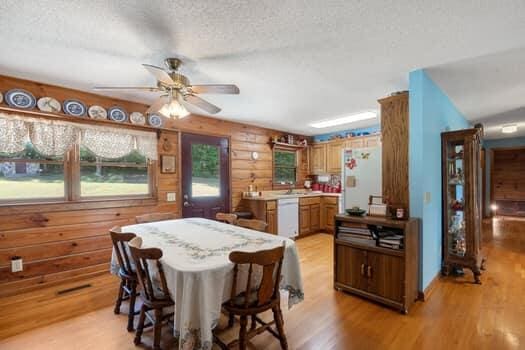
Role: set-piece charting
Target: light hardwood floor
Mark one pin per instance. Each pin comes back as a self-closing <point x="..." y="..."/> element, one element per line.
<point x="458" y="315"/>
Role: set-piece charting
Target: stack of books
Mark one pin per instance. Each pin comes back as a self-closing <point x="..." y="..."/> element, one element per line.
<point x="354" y="234"/>
<point x="392" y="242"/>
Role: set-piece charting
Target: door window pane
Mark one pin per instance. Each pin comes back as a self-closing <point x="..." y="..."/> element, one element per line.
<point x="205" y="171"/>
<point x="125" y="176"/>
<point x="29" y="175"/>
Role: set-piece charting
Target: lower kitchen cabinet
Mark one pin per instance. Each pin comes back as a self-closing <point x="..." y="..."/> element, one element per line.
<point x="271" y="216"/>
<point x="309" y="215"/>
<point x="329" y="209"/>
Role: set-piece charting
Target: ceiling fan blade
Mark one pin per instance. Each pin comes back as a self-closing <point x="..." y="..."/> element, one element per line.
<point x="142" y="88"/>
<point x="215" y="89"/>
<point x="160" y="74"/>
<point x="157" y="105"/>
<point x="202" y="104"/>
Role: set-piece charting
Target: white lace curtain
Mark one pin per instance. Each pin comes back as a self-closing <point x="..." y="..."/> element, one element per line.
<point x="54" y="138"/>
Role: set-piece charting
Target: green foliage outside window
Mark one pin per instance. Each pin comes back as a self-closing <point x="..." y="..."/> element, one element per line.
<point x="285" y="167"/>
<point x="205" y="161"/>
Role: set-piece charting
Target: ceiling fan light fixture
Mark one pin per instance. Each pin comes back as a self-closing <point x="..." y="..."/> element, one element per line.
<point x="174" y="109"/>
<point x="509" y="129"/>
<point x="344" y="120"/>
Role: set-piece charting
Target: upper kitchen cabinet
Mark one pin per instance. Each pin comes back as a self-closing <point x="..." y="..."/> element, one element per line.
<point x="333" y="156"/>
<point x="318" y="158"/>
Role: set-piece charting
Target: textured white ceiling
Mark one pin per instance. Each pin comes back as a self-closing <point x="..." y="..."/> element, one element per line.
<point x="488" y="90"/>
<point x="294" y="61"/>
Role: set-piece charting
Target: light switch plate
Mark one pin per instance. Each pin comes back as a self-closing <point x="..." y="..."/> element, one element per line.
<point x="171" y="196"/>
<point x="427" y="198"/>
<point x="17" y="265"/>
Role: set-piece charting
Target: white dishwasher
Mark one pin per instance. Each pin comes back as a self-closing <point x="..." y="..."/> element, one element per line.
<point x="288" y="217"/>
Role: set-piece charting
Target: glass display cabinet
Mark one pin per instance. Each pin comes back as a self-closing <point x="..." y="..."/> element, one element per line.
<point x="461" y="172"/>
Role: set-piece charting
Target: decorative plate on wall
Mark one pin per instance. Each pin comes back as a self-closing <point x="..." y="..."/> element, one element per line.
<point x="49" y="104"/>
<point x="117" y="114"/>
<point x="20" y="99"/>
<point x="74" y="108"/>
<point x="97" y="112"/>
<point x="155" y="120"/>
<point x="1" y="97"/>
<point x="137" y="118"/>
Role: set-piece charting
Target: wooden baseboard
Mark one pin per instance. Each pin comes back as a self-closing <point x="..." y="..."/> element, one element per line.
<point x="25" y="311"/>
<point x="425" y="294"/>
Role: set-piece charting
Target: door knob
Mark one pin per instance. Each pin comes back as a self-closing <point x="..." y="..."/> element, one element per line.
<point x="187" y="204"/>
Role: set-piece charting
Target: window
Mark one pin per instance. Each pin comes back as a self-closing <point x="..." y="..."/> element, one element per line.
<point x="285" y="167"/>
<point x="126" y="176"/>
<point x="28" y="175"/>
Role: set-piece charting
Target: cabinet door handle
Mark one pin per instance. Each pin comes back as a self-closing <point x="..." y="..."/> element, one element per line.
<point x="369" y="271"/>
<point x="362" y="269"/>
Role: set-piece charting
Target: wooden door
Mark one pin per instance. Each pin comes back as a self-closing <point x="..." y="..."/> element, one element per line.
<point x="318" y="158"/>
<point x="351" y="267"/>
<point x="205" y="175"/>
<point x="333" y="157"/>
<point x="304" y="219"/>
<point x="315" y="219"/>
<point x="385" y="276"/>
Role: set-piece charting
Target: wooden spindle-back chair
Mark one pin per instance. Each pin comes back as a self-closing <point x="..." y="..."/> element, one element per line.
<point x="126" y="273"/>
<point x="156" y="296"/>
<point x="153" y="217"/>
<point x="256" y="299"/>
<point x="257" y="225"/>
<point x="227" y="218"/>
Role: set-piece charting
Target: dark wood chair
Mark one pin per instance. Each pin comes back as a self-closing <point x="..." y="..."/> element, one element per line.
<point x="226" y="218"/>
<point x="153" y="217"/>
<point x="128" y="277"/>
<point x="257" y="225"/>
<point x="256" y="299"/>
<point x="155" y="297"/>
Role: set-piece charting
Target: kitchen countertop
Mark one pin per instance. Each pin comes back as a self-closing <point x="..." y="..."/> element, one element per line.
<point x="276" y="196"/>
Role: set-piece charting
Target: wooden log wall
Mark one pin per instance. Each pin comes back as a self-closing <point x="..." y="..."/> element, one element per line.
<point x="67" y="241"/>
<point x="508" y="181"/>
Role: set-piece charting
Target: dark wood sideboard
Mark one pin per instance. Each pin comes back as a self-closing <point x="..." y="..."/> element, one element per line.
<point x="385" y="275"/>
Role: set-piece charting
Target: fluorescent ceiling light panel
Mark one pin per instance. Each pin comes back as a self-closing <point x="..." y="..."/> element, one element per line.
<point x="344" y="120"/>
<point x="509" y="129"/>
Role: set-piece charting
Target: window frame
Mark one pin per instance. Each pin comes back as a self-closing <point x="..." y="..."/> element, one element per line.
<point x="275" y="167"/>
<point x="72" y="192"/>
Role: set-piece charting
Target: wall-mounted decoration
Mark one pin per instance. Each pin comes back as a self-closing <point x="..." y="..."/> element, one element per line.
<point x="19" y="98"/>
<point x="255" y="155"/>
<point x="168" y="164"/>
<point x="1" y="97"/>
<point x="97" y="112"/>
<point x="117" y="114"/>
<point x="74" y="108"/>
<point x="155" y="120"/>
<point x="137" y="118"/>
<point x="49" y="104"/>
<point x="166" y="145"/>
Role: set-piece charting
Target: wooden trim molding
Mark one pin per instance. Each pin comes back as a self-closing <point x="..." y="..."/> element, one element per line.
<point x="425" y="294"/>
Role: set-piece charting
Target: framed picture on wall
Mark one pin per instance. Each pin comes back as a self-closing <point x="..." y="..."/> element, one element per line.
<point x="168" y="164"/>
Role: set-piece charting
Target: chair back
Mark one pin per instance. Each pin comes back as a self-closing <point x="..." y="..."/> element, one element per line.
<point x="143" y="258"/>
<point x="253" y="224"/>
<point x="120" y="241"/>
<point x="271" y="262"/>
<point x="153" y="217"/>
<point x="226" y="218"/>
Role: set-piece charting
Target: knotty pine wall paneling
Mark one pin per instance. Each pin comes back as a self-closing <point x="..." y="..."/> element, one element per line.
<point x="68" y="241"/>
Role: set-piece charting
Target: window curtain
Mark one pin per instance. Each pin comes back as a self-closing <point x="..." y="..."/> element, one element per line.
<point x="54" y="138"/>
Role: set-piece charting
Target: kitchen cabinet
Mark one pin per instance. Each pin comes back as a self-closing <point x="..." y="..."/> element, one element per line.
<point x="329" y="209"/>
<point x="354" y="143"/>
<point x="318" y="158"/>
<point x="309" y="215"/>
<point x="265" y="211"/>
<point x="333" y="156"/>
<point x="271" y="216"/>
<point x="388" y="276"/>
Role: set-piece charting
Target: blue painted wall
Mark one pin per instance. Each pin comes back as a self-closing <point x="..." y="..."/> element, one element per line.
<point x="431" y="112"/>
<point x="498" y="143"/>
<point x="326" y="137"/>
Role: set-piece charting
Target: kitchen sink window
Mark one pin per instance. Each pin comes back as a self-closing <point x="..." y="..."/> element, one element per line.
<point x="284" y="167"/>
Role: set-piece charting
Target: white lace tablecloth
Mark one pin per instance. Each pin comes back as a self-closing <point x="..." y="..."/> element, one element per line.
<point x="199" y="273"/>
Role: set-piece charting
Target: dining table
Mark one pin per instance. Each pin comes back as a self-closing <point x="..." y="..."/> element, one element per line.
<point x="199" y="273"/>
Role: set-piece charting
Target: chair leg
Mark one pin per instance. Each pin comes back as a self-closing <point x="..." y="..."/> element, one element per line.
<point x="132" y="298"/>
<point x="278" y="316"/>
<point x="119" y="297"/>
<point x="157" y="329"/>
<point x="231" y="320"/>
<point x="242" y="333"/>
<point x="140" y="325"/>
<point x="254" y="322"/>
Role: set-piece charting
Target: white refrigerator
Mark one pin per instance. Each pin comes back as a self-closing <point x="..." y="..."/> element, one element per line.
<point x="361" y="176"/>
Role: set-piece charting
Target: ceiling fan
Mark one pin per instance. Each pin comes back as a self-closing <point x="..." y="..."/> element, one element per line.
<point x="176" y="91"/>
